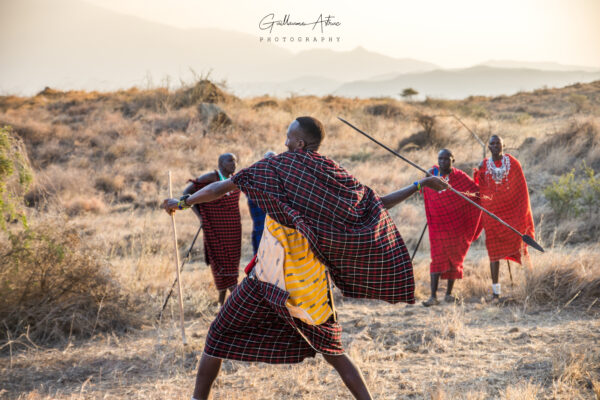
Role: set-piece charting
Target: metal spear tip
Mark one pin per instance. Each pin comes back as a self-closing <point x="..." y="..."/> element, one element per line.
<point x="529" y="240"/>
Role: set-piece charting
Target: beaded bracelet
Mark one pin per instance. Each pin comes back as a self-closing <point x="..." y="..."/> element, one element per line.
<point x="417" y="185"/>
<point x="181" y="204"/>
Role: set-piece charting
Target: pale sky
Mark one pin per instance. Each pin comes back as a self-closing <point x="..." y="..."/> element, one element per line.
<point x="450" y="33"/>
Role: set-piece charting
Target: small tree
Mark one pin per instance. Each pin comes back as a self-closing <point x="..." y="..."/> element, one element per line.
<point x="15" y="177"/>
<point x="408" y="93"/>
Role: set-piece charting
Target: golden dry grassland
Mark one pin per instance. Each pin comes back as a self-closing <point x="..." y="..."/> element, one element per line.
<point x="79" y="313"/>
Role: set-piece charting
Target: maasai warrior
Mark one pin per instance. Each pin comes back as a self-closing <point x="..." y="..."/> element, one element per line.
<point x="321" y="223"/>
<point x="453" y="225"/>
<point x="222" y="226"/>
<point x="258" y="217"/>
<point x="503" y="191"/>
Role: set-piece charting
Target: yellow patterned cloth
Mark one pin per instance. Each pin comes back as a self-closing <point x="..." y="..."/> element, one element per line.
<point x="285" y="259"/>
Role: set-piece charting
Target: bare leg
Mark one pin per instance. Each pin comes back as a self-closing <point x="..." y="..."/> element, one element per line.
<point x="450" y="286"/>
<point x="222" y="294"/>
<point x="495" y="270"/>
<point x="350" y="374"/>
<point x="433" y="301"/>
<point x="207" y="373"/>
<point x="435" y="279"/>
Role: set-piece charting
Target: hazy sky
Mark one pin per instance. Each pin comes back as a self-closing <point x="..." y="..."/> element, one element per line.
<point x="456" y="33"/>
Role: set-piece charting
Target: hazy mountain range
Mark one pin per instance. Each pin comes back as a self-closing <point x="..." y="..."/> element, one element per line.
<point x="69" y="44"/>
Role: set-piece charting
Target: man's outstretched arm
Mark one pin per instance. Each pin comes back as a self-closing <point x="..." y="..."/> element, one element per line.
<point x="394" y="198"/>
<point x="208" y="193"/>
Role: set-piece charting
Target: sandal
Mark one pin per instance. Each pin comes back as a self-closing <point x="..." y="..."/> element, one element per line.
<point x="431" y="302"/>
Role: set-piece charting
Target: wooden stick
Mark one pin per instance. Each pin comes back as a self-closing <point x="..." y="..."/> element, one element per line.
<point x="186" y="258"/>
<point x="177" y="268"/>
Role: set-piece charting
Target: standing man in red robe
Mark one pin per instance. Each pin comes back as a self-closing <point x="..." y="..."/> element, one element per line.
<point x="504" y="192"/>
<point x="222" y="226"/>
<point x="453" y="225"/>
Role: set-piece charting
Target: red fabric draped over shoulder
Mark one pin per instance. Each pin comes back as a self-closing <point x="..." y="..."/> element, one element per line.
<point x="453" y="224"/>
<point x="508" y="198"/>
<point x="222" y="229"/>
<point x="344" y="222"/>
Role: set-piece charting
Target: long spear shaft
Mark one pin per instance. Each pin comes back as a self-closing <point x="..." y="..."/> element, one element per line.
<point x="185" y="259"/>
<point x="419" y="242"/>
<point x="526" y="238"/>
<point x="180" y="289"/>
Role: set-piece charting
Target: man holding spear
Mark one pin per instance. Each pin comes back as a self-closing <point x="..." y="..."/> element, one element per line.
<point x="504" y="192"/>
<point x="322" y="224"/>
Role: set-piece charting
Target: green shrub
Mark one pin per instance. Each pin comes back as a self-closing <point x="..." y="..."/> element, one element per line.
<point x="15" y="178"/>
<point x="570" y="196"/>
<point x="52" y="285"/>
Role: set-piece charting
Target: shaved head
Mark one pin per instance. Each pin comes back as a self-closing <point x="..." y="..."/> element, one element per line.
<point x="225" y="157"/>
<point x="496" y="146"/>
<point x="445" y="161"/>
<point x="446" y="151"/>
<point x="227" y="163"/>
<point x="498" y="137"/>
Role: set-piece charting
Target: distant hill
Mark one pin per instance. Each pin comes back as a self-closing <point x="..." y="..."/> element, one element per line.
<point x="544" y="66"/>
<point x="305" y="85"/>
<point x="455" y="84"/>
<point x="43" y="45"/>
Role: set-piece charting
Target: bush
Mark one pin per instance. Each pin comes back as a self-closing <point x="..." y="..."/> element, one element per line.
<point x="54" y="287"/>
<point x="15" y="177"/>
<point x="571" y="196"/>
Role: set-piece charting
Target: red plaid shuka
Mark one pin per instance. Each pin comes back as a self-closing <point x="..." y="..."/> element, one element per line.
<point x="222" y="228"/>
<point x="509" y="200"/>
<point x="344" y="222"/>
<point x="255" y="325"/>
<point x="349" y="230"/>
<point x="453" y="224"/>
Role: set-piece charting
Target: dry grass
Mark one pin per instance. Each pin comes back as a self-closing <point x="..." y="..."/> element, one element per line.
<point x="55" y="288"/>
<point x="102" y="158"/>
<point x="463" y="351"/>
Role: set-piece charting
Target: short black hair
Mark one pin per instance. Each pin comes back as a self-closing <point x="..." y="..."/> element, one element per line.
<point x="496" y="136"/>
<point x="313" y="130"/>
<point x="448" y="151"/>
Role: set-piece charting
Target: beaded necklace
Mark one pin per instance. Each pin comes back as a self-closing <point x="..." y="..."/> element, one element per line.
<point x="222" y="178"/>
<point x="498" y="173"/>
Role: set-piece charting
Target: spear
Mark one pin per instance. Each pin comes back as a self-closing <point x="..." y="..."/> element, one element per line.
<point x="418" y="243"/>
<point x="526" y="238"/>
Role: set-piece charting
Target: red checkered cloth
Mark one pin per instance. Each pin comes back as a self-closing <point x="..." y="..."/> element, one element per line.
<point x="345" y="222"/>
<point x="509" y="200"/>
<point x="222" y="228"/>
<point x="255" y="325"/>
<point x="347" y="228"/>
<point x="453" y="224"/>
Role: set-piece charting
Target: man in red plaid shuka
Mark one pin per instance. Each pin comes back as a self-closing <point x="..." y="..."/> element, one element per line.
<point x="349" y="230"/>
<point x="504" y="192"/>
<point x="453" y="225"/>
<point x="222" y="227"/>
